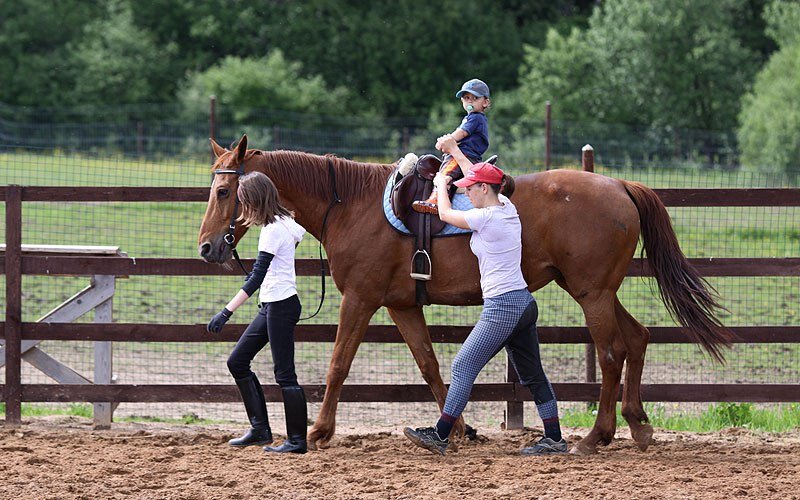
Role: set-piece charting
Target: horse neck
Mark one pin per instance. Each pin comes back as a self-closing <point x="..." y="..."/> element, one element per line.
<point x="305" y="184"/>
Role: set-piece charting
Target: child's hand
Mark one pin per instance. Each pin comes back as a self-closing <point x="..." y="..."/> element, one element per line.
<point x="445" y="143"/>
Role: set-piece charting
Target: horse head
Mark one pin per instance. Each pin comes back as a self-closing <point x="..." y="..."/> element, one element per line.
<point x="222" y="203"/>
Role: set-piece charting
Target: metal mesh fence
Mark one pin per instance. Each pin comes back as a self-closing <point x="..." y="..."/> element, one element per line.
<point x="128" y="147"/>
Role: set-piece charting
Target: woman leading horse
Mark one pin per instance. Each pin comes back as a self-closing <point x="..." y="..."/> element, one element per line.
<point x="579" y="229"/>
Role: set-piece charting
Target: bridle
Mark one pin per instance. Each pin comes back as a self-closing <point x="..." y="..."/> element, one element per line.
<point x="230" y="237"/>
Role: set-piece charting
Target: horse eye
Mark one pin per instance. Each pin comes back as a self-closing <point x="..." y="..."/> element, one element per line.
<point x="222" y="193"/>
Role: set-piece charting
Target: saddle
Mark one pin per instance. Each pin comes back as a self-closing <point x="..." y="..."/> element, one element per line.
<point x="418" y="185"/>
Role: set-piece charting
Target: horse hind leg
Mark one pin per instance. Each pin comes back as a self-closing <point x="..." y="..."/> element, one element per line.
<point x="635" y="336"/>
<point x="354" y="316"/>
<point x="412" y="326"/>
<point x="598" y="307"/>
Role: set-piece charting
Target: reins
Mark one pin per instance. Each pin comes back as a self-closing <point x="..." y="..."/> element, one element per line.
<point x="230" y="238"/>
<point x="334" y="201"/>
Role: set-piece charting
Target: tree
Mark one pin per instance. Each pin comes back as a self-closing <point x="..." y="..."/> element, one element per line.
<point x="245" y="85"/>
<point x="769" y="135"/>
<point x="117" y="62"/>
<point x="34" y="69"/>
<point x="646" y="62"/>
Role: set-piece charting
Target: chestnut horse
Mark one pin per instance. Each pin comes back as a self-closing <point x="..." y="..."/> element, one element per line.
<point x="578" y="228"/>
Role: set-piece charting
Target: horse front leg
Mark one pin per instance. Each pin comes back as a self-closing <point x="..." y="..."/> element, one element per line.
<point x="602" y="324"/>
<point x="636" y="338"/>
<point x="412" y="326"/>
<point x="354" y="316"/>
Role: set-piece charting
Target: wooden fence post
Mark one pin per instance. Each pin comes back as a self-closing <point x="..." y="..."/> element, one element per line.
<point x="212" y="122"/>
<point x="547" y="135"/>
<point x="103" y="354"/>
<point x="587" y="158"/>
<point x="13" y="270"/>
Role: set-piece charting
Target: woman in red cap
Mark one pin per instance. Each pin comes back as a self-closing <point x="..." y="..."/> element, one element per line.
<point x="509" y="311"/>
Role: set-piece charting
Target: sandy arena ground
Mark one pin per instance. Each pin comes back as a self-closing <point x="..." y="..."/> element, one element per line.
<point x="65" y="458"/>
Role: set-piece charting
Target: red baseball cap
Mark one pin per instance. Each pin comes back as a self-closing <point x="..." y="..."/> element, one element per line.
<point x="481" y="172"/>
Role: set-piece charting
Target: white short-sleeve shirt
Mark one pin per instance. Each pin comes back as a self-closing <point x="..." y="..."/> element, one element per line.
<point x="497" y="242"/>
<point x="280" y="239"/>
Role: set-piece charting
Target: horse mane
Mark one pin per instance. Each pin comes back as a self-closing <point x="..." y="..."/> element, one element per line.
<point x="353" y="179"/>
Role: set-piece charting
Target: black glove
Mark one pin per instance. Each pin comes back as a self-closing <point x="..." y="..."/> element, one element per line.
<point x="219" y="320"/>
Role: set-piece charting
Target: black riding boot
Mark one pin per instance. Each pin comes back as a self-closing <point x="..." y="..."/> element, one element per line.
<point x="253" y="398"/>
<point x="294" y="402"/>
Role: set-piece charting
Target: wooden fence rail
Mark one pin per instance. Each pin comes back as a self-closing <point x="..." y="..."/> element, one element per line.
<point x="14" y="265"/>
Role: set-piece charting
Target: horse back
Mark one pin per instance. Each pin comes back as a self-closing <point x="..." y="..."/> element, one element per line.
<point x="575" y="222"/>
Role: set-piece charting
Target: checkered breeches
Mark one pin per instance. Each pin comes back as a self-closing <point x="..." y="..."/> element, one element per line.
<point x="499" y="317"/>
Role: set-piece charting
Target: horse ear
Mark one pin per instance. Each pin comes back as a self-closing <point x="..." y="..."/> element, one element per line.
<point x="241" y="148"/>
<point x="216" y="148"/>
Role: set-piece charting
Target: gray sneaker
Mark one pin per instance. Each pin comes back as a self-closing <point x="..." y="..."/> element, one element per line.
<point x="428" y="438"/>
<point x="546" y="446"/>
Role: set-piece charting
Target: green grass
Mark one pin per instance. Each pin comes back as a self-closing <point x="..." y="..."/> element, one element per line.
<point x="716" y="417"/>
<point x="71" y="409"/>
<point x="85" y="410"/>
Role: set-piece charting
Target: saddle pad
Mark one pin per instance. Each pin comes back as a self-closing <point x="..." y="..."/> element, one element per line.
<point x="460" y="202"/>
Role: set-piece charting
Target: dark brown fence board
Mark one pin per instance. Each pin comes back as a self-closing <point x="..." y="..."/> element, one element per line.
<point x="723" y="267"/>
<point x="404" y="393"/>
<point x="129" y="266"/>
<point x="683" y="197"/>
<point x="115" y="194"/>
<point x="742" y="197"/>
<point x="136" y="332"/>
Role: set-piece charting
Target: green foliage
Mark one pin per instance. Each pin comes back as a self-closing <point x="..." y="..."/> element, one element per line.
<point x="783" y="18"/>
<point x="116" y="61"/>
<point x="403" y="56"/>
<point x="563" y="71"/>
<point x="769" y="135"/>
<point x="33" y="49"/>
<point x="655" y="62"/>
<point x="270" y="82"/>
<point x="731" y="414"/>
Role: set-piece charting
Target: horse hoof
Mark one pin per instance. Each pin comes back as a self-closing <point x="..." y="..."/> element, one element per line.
<point x="643" y="437"/>
<point x="583" y="449"/>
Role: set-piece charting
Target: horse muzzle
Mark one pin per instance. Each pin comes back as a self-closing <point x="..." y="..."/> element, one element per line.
<point x="215" y="251"/>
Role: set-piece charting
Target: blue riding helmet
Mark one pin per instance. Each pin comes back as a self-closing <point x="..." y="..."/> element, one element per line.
<point x="475" y="87"/>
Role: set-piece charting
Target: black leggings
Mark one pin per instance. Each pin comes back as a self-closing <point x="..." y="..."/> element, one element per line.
<point x="274" y="324"/>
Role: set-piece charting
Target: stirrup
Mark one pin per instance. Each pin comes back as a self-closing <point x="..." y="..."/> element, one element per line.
<point x="423" y="276"/>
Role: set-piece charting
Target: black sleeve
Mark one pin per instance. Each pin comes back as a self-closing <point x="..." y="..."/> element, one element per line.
<point x="259" y="271"/>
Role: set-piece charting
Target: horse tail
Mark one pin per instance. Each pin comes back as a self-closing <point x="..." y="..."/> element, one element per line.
<point x="691" y="301"/>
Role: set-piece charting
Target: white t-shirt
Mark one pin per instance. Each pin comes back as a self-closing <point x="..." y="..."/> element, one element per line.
<point x="497" y="242"/>
<point x="280" y="239"/>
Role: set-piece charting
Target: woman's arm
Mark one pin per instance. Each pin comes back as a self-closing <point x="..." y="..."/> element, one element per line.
<point x="446" y="211"/>
<point x="254" y="280"/>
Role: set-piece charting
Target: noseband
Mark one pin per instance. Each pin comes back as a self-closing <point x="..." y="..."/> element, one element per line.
<point x="230" y="238"/>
